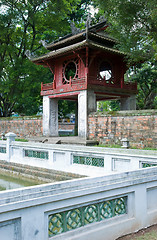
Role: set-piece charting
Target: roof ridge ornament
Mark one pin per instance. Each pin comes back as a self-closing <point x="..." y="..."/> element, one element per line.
<point x="44" y="43"/>
<point x="102" y="19"/>
<point x="88" y="24"/>
<point x="89" y="20"/>
<point x="29" y="54"/>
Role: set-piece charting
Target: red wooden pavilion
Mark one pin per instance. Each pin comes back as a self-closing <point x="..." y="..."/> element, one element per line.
<point x="87" y="68"/>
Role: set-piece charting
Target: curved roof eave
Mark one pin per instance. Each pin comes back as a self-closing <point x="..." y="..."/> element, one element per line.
<point x="71" y="48"/>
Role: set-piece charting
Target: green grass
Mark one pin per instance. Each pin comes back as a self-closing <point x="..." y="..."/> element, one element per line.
<point x="21" y="140"/>
<point x="148" y="236"/>
<point x="2" y="188"/>
<point x="152" y="235"/>
<point x="18" y="139"/>
<point x="149" y="233"/>
<point x="108" y="145"/>
<point x="119" y="146"/>
<point x="146" y="148"/>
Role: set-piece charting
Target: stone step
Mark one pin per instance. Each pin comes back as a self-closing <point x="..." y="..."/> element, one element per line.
<point x="42" y="174"/>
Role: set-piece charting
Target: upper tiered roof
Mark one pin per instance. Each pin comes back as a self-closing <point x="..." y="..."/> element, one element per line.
<point x="93" y="37"/>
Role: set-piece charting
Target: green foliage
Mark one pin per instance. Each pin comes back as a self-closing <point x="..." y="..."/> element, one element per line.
<point x="22" y="25"/>
<point x="134" y="24"/>
<point x="66" y="107"/>
<point x="146" y="76"/>
<point x="108" y="106"/>
<point x="104" y="106"/>
<point x="82" y="12"/>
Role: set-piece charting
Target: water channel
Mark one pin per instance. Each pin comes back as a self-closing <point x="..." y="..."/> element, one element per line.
<point x="9" y="182"/>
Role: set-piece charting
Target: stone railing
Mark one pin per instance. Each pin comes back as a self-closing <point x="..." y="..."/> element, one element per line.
<point x="88" y="161"/>
<point x="89" y="208"/>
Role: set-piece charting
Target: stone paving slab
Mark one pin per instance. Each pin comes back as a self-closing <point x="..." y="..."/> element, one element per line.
<point x="80" y="144"/>
<point x="64" y="140"/>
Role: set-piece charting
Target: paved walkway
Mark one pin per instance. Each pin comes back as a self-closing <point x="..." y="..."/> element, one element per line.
<point x="79" y="143"/>
<point x="64" y="140"/>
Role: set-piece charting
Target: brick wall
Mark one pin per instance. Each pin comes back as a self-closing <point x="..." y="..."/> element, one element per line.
<point x="66" y="126"/>
<point x="27" y="126"/>
<point x="22" y="127"/>
<point x="140" y="127"/>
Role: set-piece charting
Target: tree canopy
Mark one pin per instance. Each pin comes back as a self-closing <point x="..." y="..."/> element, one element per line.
<point x="134" y="24"/>
<point x="146" y="76"/>
<point x="22" y="24"/>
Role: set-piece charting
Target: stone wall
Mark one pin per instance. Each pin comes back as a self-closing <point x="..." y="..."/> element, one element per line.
<point x="140" y="127"/>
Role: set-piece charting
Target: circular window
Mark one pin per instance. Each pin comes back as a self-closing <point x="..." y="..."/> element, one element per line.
<point x="70" y="71"/>
<point x="105" y="71"/>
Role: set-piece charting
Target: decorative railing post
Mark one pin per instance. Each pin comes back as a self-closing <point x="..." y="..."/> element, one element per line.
<point x="10" y="137"/>
<point x="70" y="81"/>
<point x="125" y="143"/>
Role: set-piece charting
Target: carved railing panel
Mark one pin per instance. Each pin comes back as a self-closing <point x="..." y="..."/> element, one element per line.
<point x="87" y="160"/>
<point x="65" y="221"/>
<point x="2" y="149"/>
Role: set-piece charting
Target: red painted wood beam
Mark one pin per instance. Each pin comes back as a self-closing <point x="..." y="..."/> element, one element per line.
<point x="111" y="94"/>
<point x="66" y="95"/>
<point x="102" y="29"/>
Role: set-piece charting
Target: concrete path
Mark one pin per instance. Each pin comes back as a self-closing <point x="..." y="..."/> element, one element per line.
<point x="64" y="140"/>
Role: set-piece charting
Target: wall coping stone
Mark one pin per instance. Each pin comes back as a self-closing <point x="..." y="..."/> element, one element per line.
<point x="52" y="192"/>
<point x="75" y="148"/>
<point x="20" y="118"/>
<point x="147" y="112"/>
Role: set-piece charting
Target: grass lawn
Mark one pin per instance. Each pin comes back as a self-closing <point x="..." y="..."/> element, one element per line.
<point x="119" y="146"/>
<point x="144" y="234"/>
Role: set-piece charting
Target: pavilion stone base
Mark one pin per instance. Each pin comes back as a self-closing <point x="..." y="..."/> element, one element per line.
<point x="128" y="103"/>
<point x="86" y="105"/>
<point x="50" y="116"/>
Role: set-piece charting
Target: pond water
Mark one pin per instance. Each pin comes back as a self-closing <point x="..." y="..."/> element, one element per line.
<point x="9" y="182"/>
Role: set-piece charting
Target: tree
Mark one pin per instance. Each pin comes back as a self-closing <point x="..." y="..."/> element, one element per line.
<point x="66" y="107"/>
<point x="22" y="24"/>
<point x="147" y="85"/>
<point x="134" y="24"/>
<point x="107" y="106"/>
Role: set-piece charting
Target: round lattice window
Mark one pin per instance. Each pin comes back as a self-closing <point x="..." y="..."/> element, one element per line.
<point x="70" y="70"/>
<point x="105" y="71"/>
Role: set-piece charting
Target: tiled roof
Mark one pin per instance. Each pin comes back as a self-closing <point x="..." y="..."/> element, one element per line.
<point x="75" y="46"/>
<point x="71" y="37"/>
<point x="77" y="38"/>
